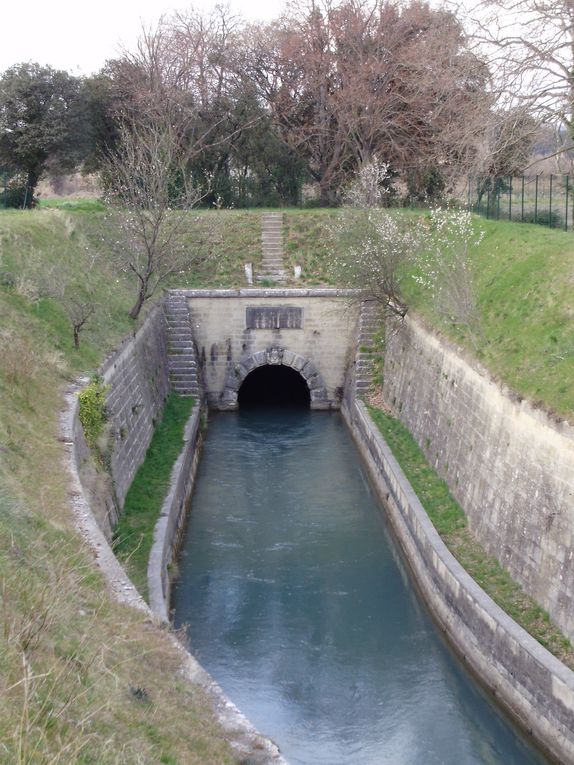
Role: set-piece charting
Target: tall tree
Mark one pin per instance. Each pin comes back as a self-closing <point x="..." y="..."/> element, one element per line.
<point x="530" y="44"/>
<point x="352" y="80"/>
<point x="44" y="122"/>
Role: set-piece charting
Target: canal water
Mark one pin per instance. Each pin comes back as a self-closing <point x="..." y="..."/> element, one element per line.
<point x="296" y="601"/>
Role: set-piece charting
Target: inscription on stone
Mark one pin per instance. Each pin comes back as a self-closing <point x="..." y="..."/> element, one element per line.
<point x="274" y="317"/>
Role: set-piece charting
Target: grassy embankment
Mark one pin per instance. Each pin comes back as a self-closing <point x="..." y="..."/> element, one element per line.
<point x="81" y="679"/>
<point x="524" y="281"/>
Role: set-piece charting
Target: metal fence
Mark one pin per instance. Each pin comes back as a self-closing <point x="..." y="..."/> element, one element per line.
<point x="544" y="199"/>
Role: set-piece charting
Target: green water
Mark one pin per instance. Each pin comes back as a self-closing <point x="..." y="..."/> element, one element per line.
<point x="297" y="602"/>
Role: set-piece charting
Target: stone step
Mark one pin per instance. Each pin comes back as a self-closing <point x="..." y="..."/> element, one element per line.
<point x="182" y="358"/>
<point x="272" y="271"/>
<point x="178" y="323"/>
<point x="183" y="369"/>
<point x="179" y="376"/>
<point x="183" y="316"/>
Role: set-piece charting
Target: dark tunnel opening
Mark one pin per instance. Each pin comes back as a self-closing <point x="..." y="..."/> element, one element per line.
<point x="275" y="385"/>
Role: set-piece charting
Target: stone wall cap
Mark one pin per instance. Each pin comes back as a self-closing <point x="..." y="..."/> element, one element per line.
<point x="257" y="292"/>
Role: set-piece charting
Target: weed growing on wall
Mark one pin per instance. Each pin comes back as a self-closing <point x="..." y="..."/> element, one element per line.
<point x="93" y="411"/>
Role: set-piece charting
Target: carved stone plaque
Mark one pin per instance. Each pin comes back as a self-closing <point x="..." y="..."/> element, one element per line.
<point x="277" y="317"/>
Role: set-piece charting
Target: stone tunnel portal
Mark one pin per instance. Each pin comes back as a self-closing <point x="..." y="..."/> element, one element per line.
<point x="274" y="385"/>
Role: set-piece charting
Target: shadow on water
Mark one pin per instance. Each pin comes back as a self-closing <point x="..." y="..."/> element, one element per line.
<point x="294" y="600"/>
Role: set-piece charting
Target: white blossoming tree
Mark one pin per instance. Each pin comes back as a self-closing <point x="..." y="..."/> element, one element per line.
<point x="375" y="245"/>
<point x="445" y="268"/>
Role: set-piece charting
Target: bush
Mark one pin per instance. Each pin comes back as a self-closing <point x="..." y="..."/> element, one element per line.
<point x="93" y="410"/>
<point x="544" y="218"/>
<point x="14" y="195"/>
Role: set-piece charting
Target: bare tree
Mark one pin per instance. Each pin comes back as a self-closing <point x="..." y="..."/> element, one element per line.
<point x="78" y="311"/>
<point x="150" y="193"/>
<point x="530" y="44"/>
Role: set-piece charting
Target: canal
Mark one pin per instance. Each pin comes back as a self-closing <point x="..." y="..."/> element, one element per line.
<point x="296" y="600"/>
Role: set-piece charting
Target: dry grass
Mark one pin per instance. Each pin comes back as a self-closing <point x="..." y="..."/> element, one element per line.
<point x="82" y="680"/>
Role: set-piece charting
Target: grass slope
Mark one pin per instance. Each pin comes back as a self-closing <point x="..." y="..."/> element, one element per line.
<point x="524" y="282"/>
<point x="81" y="679"/>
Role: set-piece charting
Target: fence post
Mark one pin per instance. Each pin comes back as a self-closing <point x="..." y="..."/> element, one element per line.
<point x="536" y="200"/>
<point x="522" y="208"/>
<point x="566" y="206"/>
<point x="510" y="198"/>
<point x="550" y="204"/>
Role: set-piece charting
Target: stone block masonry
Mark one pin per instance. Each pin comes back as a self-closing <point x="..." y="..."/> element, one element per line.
<point x="510" y="467"/>
<point x="311" y="330"/>
<point x="138" y="379"/>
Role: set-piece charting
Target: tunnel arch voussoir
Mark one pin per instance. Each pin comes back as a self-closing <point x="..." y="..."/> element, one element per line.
<point x="269" y="357"/>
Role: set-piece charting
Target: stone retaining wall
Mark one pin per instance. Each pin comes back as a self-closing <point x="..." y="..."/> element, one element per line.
<point x="509" y="466"/>
<point x="137" y="376"/>
<point x="532" y="684"/>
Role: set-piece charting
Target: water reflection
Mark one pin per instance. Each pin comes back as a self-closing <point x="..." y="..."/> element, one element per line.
<point x="295" y="603"/>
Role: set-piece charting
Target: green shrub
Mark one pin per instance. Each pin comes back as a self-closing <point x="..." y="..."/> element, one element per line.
<point x="93" y="410"/>
<point x="544" y="218"/>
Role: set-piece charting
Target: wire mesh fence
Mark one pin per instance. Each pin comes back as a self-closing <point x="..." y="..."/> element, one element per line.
<point x="544" y="199"/>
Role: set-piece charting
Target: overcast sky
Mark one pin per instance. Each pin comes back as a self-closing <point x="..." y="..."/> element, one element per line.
<point x="80" y="37"/>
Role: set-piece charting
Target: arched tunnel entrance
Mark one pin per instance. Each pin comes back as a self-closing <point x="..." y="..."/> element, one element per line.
<point x="274" y="385"/>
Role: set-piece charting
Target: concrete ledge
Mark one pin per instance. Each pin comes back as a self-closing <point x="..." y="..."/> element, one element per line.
<point x="167" y="531"/>
<point x="536" y="688"/>
<point x="258" y="292"/>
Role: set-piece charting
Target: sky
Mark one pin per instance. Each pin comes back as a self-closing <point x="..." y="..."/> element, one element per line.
<point x="80" y="37"/>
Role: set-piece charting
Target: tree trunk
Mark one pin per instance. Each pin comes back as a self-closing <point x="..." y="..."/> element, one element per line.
<point x="328" y="196"/>
<point x="137" y="306"/>
<point x="31" y="182"/>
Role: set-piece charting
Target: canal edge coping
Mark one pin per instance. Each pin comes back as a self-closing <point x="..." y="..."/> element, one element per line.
<point x="528" y="681"/>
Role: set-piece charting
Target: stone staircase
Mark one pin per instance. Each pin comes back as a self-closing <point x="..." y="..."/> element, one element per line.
<point x="182" y="355"/>
<point x="368" y="352"/>
<point x="272" y="268"/>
